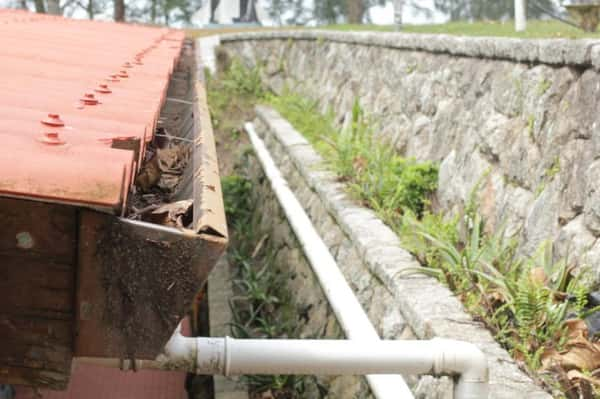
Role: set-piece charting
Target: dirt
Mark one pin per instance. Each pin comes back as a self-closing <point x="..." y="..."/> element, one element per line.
<point x="145" y="281"/>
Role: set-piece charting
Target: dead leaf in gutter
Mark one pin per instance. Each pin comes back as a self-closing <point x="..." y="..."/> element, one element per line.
<point x="173" y="158"/>
<point x="175" y="214"/>
<point x="169" y="182"/>
<point x="149" y="175"/>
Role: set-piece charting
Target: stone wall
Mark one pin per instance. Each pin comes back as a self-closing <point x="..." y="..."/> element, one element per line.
<point x="520" y="117"/>
<point x="400" y="306"/>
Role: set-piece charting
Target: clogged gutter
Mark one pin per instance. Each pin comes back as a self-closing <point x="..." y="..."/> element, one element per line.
<point x="158" y="181"/>
<point x="157" y="196"/>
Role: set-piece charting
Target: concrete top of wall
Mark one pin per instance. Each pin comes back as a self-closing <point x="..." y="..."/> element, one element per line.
<point x="580" y="52"/>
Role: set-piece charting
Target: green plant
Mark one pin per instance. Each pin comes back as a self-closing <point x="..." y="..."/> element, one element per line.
<point x="553" y="169"/>
<point x="376" y="175"/>
<point x="261" y="306"/>
<point x="524" y="301"/>
<point x="531" y="127"/>
<point x="236" y="196"/>
<point x="242" y="80"/>
<point x="543" y="86"/>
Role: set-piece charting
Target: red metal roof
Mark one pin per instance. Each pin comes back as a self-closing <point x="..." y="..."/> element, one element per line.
<point x="105" y="81"/>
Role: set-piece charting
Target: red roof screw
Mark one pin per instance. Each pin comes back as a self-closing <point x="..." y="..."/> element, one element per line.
<point x="127" y="65"/>
<point x="51" y="138"/>
<point x="138" y="61"/>
<point x="103" y="88"/>
<point x="53" y="120"/>
<point x="112" y="78"/>
<point x="123" y="74"/>
<point x="89" y="99"/>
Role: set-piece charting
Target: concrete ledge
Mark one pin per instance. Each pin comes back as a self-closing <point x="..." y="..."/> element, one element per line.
<point x="580" y="52"/>
<point x="429" y="308"/>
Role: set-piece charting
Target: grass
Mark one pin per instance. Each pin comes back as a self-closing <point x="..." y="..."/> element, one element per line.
<point x="536" y="29"/>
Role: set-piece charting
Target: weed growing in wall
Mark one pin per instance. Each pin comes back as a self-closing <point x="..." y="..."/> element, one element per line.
<point x="232" y="95"/>
<point x="375" y="173"/>
<point x="533" y="305"/>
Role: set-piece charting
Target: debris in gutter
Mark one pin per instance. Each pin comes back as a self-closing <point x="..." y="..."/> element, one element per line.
<point x="158" y="181"/>
<point x="176" y="214"/>
<point x="171" y="163"/>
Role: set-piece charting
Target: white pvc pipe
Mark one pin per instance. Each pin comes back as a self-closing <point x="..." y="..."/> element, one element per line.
<point x="228" y="356"/>
<point x="520" y="15"/>
<point x="364" y="354"/>
<point x="348" y="311"/>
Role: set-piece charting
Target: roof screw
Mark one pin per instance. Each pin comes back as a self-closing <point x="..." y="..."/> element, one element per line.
<point x="138" y="61"/>
<point x="112" y="78"/>
<point x="51" y="138"/>
<point x="53" y="120"/>
<point x="127" y="65"/>
<point x="89" y="99"/>
<point x="103" y="88"/>
<point x="123" y="74"/>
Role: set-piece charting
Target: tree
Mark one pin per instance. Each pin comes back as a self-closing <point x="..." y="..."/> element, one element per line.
<point x="39" y="6"/>
<point x="119" y="10"/>
<point x="329" y="11"/>
<point x="355" y="11"/>
<point x="487" y="10"/>
<point x="276" y="8"/>
<point x="54" y="7"/>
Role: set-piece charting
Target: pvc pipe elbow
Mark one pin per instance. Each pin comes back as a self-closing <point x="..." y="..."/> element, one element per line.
<point x="469" y="362"/>
<point x="179" y="353"/>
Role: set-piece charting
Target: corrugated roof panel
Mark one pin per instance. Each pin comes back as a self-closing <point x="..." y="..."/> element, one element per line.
<point x="69" y="89"/>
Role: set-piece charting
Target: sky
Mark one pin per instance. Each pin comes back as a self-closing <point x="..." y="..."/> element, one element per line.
<point x="381" y="15"/>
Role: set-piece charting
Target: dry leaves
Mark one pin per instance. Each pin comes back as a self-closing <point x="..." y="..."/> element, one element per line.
<point x="538" y="275"/>
<point x="579" y="355"/>
<point x="172" y="161"/>
<point x="176" y="214"/>
<point x="149" y="175"/>
<point x="164" y="168"/>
